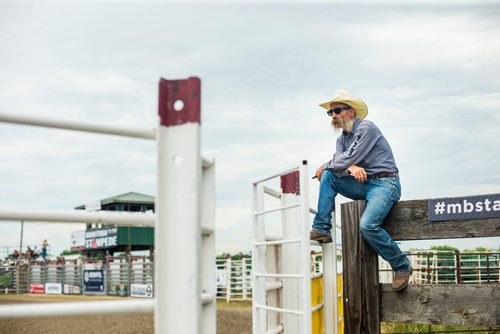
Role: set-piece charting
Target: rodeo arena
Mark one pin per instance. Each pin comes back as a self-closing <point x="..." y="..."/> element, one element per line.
<point x="127" y="262"/>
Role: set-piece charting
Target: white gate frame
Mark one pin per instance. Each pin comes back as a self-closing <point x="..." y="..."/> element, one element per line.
<point x="185" y="218"/>
<point x="261" y="286"/>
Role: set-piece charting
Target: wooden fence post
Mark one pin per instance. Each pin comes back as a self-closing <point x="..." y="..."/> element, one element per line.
<point x="361" y="283"/>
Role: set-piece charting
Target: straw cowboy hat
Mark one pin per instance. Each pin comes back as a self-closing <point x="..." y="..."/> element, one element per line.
<point x="345" y="97"/>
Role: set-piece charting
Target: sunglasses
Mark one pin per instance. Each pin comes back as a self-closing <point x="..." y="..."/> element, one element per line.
<point x="337" y="110"/>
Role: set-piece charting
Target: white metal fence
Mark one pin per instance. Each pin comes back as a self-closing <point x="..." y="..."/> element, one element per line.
<point x="234" y="279"/>
<point x="449" y="267"/>
<point x="282" y="266"/>
<point x="184" y="219"/>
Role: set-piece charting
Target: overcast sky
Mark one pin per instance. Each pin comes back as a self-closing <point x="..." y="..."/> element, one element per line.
<point x="428" y="73"/>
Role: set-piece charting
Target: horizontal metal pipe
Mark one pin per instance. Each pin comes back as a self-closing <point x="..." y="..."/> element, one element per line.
<point x="75" y="308"/>
<point x="285" y="207"/>
<point x="207" y="162"/>
<point x="279" y="275"/>
<point x="272" y="192"/>
<point x="207" y="298"/>
<point x="276" y="330"/>
<point x="273" y="285"/>
<point x="317" y="307"/>
<point x="270" y="237"/>
<point x="206" y="230"/>
<point x="102" y="217"/>
<point x="277" y="309"/>
<point x="280" y="173"/>
<point x="277" y="242"/>
<point x="78" y="126"/>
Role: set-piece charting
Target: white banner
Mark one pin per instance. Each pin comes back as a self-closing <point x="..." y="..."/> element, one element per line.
<point x="141" y="290"/>
<point x="53" y="288"/>
<point x="221" y="277"/>
<point x="71" y="289"/>
<point x="77" y="240"/>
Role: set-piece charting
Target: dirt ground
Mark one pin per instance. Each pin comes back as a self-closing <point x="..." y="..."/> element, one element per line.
<point x="231" y="318"/>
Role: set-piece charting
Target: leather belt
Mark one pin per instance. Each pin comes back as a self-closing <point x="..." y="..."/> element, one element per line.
<point x="383" y="174"/>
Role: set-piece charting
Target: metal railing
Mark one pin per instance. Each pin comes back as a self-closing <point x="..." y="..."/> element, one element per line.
<point x="185" y="185"/>
<point x="291" y="272"/>
<point x="449" y="267"/>
<point x="234" y="279"/>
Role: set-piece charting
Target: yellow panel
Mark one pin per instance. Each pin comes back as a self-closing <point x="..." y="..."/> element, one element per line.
<point x="340" y="304"/>
<point x="318" y="325"/>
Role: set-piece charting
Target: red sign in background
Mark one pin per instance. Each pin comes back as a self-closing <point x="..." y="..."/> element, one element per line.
<point x="37" y="288"/>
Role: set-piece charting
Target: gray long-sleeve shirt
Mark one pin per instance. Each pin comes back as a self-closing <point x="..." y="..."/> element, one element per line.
<point x="365" y="146"/>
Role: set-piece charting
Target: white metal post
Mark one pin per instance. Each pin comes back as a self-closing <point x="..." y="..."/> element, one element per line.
<point x="292" y="256"/>
<point x="229" y="268"/>
<point x="330" y="310"/>
<point x="208" y="283"/>
<point x="177" y="280"/>
<point x="273" y="260"/>
<point x="258" y="262"/>
<point x="306" y="249"/>
<point x="244" y="277"/>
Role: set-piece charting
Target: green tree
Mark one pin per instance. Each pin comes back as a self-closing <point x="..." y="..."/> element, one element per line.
<point x="70" y="252"/>
<point x="444" y="248"/>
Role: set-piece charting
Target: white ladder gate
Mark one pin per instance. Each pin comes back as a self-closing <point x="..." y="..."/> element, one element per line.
<point x="184" y="299"/>
<point x="285" y="277"/>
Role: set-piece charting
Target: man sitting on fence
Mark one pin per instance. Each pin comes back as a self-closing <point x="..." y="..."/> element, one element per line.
<point x="363" y="167"/>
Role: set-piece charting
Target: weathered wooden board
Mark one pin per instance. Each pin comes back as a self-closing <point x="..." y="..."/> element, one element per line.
<point x="462" y="304"/>
<point x="408" y="220"/>
<point x="360" y="264"/>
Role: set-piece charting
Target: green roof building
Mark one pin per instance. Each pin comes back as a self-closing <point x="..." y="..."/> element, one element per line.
<point x="111" y="238"/>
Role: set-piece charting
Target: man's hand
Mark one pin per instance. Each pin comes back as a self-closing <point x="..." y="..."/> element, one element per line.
<point x="319" y="171"/>
<point x="358" y="173"/>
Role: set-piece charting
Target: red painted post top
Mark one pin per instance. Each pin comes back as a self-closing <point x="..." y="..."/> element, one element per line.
<point x="179" y="101"/>
<point x="290" y="183"/>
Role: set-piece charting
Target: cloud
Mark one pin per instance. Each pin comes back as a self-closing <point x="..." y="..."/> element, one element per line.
<point x="425" y="72"/>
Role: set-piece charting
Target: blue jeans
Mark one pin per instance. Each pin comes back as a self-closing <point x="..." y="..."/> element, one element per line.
<point x="380" y="195"/>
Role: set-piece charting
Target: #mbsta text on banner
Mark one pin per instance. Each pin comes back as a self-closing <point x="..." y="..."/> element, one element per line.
<point x="461" y="208"/>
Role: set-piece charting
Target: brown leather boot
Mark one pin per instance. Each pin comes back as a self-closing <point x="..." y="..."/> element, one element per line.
<point x="400" y="279"/>
<point x="320" y="237"/>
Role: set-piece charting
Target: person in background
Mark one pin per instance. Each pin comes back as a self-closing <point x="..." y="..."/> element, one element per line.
<point x="45" y="244"/>
<point x="29" y="253"/>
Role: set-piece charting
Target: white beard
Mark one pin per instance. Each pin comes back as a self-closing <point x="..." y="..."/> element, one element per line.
<point x="347" y="126"/>
<point x="342" y="125"/>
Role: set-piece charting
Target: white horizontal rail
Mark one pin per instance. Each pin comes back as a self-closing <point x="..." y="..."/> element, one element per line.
<point x="278" y="275"/>
<point x="273" y="286"/>
<point x="206" y="230"/>
<point x="278" y="242"/>
<point x="78" y="126"/>
<point x="272" y="192"/>
<point x="102" y="217"/>
<point x="285" y="207"/>
<point x="76" y="308"/>
<point x="277" y="309"/>
<point x="317" y="307"/>
<point x="207" y="298"/>
<point x="277" y="194"/>
<point x="276" y="330"/>
<point x="270" y="237"/>
<point x="279" y="173"/>
<point x="207" y="162"/>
